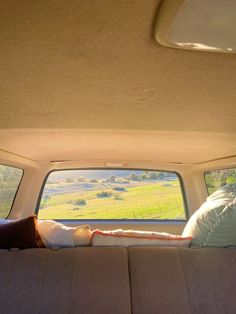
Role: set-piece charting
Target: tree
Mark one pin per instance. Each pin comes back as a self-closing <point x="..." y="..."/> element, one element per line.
<point x="133" y="177"/>
<point x="153" y="175"/>
<point x="144" y="176"/>
<point x="9" y="177"/>
<point x="112" y="179"/>
<point x="216" y="179"/>
<point x="161" y="175"/>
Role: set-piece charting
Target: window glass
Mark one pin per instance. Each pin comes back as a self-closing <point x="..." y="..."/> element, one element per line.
<point x="218" y="178"/>
<point x="112" y="194"/>
<point x="10" y="178"/>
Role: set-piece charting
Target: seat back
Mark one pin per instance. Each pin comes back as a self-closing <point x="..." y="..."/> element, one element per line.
<point x="77" y="280"/>
<point x="182" y="280"/>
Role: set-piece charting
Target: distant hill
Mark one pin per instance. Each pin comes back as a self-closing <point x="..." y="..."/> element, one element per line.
<point x="96" y="174"/>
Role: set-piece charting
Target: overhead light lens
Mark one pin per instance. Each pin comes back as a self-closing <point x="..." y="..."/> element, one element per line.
<point x="198" y="24"/>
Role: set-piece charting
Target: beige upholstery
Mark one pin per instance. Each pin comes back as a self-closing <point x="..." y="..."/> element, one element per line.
<point x="171" y="280"/>
<point x="84" y="280"/>
<point x="107" y="280"/>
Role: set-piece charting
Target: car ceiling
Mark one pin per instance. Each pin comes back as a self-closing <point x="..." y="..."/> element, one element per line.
<point x="94" y="65"/>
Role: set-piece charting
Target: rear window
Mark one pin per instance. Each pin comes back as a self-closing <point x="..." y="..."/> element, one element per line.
<point x="10" y="178"/>
<point x="102" y="194"/>
<point x="218" y="178"/>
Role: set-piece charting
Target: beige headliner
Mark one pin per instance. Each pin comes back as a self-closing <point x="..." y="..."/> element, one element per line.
<point x="95" y="65"/>
<point x="122" y="146"/>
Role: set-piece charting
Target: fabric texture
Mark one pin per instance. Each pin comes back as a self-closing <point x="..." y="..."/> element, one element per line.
<point x="128" y="238"/>
<point x="55" y="234"/>
<point x="214" y="223"/>
<point x="65" y="281"/>
<point x="138" y="280"/>
<point x="182" y="280"/>
<point x="21" y="234"/>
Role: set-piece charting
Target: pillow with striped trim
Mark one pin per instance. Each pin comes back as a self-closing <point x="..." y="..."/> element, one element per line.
<point x="128" y="238"/>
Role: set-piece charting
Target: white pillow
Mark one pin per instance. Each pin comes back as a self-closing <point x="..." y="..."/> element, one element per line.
<point x="128" y="238"/>
<point x="214" y="223"/>
<point x="57" y="235"/>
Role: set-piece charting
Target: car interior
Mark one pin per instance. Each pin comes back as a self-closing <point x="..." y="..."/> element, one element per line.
<point x="117" y="156"/>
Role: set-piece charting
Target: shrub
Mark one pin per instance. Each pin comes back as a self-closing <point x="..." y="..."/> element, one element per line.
<point x="75" y="208"/>
<point x="119" y="188"/>
<point x="81" y="202"/>
<point x="104" y="194"/>
<point x="133" y="177"/>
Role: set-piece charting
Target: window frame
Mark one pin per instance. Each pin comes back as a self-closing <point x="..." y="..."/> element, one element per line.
<point x="18" y="187"/>
<point x="182" y="189"/>
<point x="218" y="169"/>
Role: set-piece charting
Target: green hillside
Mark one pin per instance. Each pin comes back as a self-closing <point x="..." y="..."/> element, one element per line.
<point x="159" y="200"/>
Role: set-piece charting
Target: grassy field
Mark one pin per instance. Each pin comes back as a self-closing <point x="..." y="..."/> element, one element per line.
<point x="150" y="200"/>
